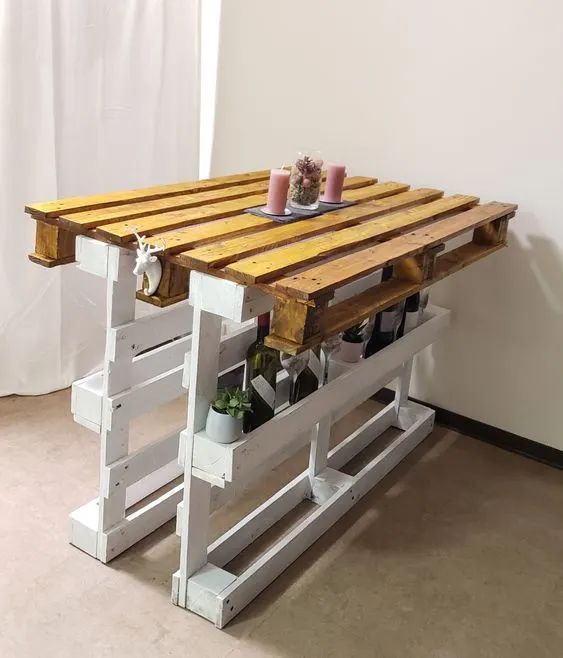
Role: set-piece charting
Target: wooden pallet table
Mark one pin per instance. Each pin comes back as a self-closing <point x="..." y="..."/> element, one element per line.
<point x="319" y="276"/>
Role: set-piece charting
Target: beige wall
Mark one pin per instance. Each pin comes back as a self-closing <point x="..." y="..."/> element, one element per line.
<point x="466" y="96"/>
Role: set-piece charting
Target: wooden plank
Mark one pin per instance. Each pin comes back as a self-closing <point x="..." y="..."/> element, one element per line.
<point x="298" y="320"/>
<point x="320" y="280"/>
<point x="53" y="245"/>
<point x="244" y="224"/>
<point x="372" y="192"/>
<point x="373" y="300"/>
<point x="80" y="221"/>
<point x="89" y="219"/>
<point x="221" y="253"/>
<point x="81" y="203"/>
<point x="174" y="241"/>
<point x="264" y="267"/>
<point x="122" y="232"/>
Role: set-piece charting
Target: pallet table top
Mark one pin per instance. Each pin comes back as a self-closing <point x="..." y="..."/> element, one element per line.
<point x="202" y="225"/>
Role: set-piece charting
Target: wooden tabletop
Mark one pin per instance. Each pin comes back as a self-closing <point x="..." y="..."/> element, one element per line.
<point x="201" y="225"/>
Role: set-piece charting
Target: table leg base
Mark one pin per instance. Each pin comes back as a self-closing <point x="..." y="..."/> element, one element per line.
<point x="107" y="544"/>
<point x="218" y="595"/>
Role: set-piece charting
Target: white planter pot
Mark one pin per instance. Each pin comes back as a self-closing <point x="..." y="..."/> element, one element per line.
<point x="222" y="428"/>
<point x="350" y="352"/>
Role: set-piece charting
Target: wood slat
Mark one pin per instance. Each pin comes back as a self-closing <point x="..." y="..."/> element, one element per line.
<point x="220" y="253"/>
<point x="272" y="264"/>
<point x="81" y="203"/>
<point x="351" y="311"/>
<point x="98" y="217"/>
<point x="123" y="232"/>
<point x="323" y="278"/>
<point x="371" y="192"/>
<point x="93" y="218"/>
<point x="174" y="241"/>
<point x="182" y="239"/>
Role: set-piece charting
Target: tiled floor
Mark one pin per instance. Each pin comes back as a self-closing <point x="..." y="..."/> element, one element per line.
<point x="458" y="553"/>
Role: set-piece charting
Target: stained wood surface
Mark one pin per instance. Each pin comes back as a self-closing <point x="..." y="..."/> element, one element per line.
<point x="319" y="280"/>
<point x="354" y="310"/>
<point x="82" y="203"/>
<point x="225" y="251"/>
<point x="201" y="225"/>
<point x="123" y="232"/>
<point x="267" y="266"/>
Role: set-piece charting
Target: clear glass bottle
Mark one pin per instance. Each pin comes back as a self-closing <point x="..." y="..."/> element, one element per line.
<point x="305" y="181"/>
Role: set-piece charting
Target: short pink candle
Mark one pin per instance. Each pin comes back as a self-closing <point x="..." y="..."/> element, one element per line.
<point x="277" y="191"/>
<point x="334" y="182"/>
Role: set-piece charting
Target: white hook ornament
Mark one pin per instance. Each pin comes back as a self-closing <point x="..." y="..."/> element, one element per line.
<point x="148" y="264"/>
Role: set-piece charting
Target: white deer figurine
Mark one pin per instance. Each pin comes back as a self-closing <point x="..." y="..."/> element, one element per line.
<point x="148" y="264"/>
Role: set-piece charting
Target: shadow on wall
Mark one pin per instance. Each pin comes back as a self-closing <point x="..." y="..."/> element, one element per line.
<point x="524" y="283"/>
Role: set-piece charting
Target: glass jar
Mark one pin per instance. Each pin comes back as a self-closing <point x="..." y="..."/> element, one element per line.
<point x="305" y="181"/>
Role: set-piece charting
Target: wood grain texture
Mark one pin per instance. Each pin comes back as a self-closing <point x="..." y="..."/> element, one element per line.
<point x="372" y="192"/>
<point x="219" y="254"/>
<point x="80" y="221"/>
<point x="123" y="232"/>
<point x="246" y="224"/>
<point x="93" y="218"/>
<point x="267" y="266"/>
<point x="323" y="278"/>
<point x="297" y="320"/>
<point x="81" y="203"/>
<point x="53" y="245"/>
<point x="173" y="286"/>
<point x="351" y="311"/>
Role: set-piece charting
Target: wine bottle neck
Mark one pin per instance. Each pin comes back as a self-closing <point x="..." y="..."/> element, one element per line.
<point x="263" y="326"/>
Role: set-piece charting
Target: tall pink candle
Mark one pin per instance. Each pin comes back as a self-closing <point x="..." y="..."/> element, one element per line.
<point x="277" y="191"/>
<point x="334" y="182"/>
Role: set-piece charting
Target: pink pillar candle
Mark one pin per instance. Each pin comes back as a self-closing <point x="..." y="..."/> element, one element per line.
<point x="277" y="191"/>
<point x="334" y="182"/>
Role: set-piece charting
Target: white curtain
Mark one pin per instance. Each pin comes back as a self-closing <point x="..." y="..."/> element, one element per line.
<point x="95" y="95"/>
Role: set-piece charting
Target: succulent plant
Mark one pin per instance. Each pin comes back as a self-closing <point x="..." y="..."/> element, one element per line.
<point x="232" y="401"/>
<point x="355" y="333"/>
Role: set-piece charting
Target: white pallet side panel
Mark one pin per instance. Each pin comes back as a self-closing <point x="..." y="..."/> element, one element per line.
<point x="139" y="524"/>
<point x="152" y="482"/>
<point x="241" y="535"/>
<point x="144" y="333"/>
<point x="92" y="255"/>
<point x="203" y="588"/>
<point x="114" y="438"/>
<point x="83" y="527"/>
<point x="281" y="436"/>
<point x="139" y="464"/>
<point x="145" y="397"/>
<point x="271" y="564"/>
<point x="228" y="299"/>
<point x="204" y="369"/>
<point x="361" y="438"/>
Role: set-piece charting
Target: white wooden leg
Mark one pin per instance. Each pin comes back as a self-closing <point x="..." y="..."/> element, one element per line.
<point x="202" y="584"/>
<point x="121" y="288"/>
<point x="204" y="367"/>
<point x="137" y="377"/>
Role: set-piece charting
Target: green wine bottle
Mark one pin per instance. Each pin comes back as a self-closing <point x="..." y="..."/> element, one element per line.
<point x="262" y="364"/>
<point x="308" y="379"/>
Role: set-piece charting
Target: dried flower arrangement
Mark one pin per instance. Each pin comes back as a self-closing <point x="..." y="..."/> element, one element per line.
<point x="305" y="182"/>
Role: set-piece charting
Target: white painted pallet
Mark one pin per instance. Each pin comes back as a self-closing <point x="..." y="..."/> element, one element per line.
<point x="146" y="363"/>
<point x="214" y="472"/>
